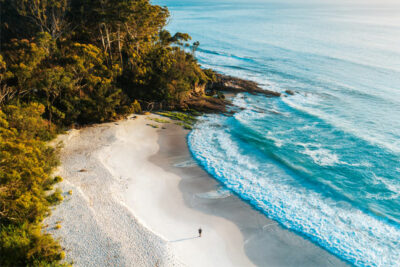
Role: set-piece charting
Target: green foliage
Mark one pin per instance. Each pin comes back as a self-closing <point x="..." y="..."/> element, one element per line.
<point x="210" y="74"/>
<point x="47" y="15"/>
<point x="26" y="245"/>
<point x="160" y="120"/>
<point x="185" y="120"/>
<point x="23" y="58"/>
<point x="180" y="116"/>
<point x="135" y="107"/>
<point x="152" y="125"/>
<point x="25" y="173"/>
<point x="195" y="112"/>
<point x="184" y="125"/>
<point x="116" y="54"/>
<point x="27" y="119"/>
<point x="57" y="179"/>
<point x="6" y="92"/>
<point x="64" y="62"/>
<point x="55" y="198"/>
<point x="170" y="75"/>
<point x="100" y="106"/>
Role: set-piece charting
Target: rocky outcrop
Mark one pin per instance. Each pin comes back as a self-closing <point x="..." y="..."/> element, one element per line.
<point x="237" y="85"/>
<point x="207" y="104"/>
<point x="199" y="103"/>
<point x="199" y="90"/>
<point x="209" y="97"/>
<point x="289" y="92"/>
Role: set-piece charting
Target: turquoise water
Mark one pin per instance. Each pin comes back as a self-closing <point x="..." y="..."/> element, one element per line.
<point x="324" y="162"/>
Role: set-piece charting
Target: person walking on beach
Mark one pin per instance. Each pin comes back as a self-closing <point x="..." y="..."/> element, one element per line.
<point x="200" y="232"/>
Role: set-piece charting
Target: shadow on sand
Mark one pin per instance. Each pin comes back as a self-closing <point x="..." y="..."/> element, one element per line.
<point x="183" y="239"/>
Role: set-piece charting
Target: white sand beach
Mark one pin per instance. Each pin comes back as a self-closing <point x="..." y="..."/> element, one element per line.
<point x="138" y="199"/>
<point x="127" y="211"/>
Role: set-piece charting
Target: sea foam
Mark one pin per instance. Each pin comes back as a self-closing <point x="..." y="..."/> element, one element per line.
<point x="359" y="237"/>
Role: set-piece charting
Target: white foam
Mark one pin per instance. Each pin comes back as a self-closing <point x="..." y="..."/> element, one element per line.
<point x="322" y="156"/>
<point x="390" y="184"/>
<point x="341" y="228"/>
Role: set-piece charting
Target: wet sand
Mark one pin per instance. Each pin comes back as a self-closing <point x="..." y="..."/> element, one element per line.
<point x="138" y="199"/>
<point x="266" y="243"/>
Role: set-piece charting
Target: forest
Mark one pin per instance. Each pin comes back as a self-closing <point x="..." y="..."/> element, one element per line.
<point x="65" y="63"/>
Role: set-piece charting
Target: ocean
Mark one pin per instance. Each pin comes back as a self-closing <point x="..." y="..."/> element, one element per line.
<point x="324" y="162"/>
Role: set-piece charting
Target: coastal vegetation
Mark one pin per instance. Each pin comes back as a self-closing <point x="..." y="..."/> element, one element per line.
<point x="74" y="62"/>
<point x="93" y="61"/>
<point x="26" y="187"/>
<point x="68" y="63"/>
<point x="184" y="119"/>
<point x="159" y="120"/>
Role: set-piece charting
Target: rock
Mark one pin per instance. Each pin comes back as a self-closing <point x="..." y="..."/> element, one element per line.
<point x="199" y="90"/>
<point x="210" y="97"/>
<point x="207" y="104"/>
<point x="289" y="92"/>
<point x="237" y="85"/>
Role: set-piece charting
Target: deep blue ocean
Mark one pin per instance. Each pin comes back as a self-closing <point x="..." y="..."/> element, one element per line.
<point x="324" y="162"/>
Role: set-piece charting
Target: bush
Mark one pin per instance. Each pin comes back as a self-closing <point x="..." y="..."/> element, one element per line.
<point x="55" y="198"/>
<point x="26" y="245"/>
<point x="25" y="175"/>
<point x="27" y="120"/>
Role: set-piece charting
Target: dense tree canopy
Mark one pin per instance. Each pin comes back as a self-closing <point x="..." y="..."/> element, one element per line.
<point x="89" y="60"/>
<point x="65" y="62"/>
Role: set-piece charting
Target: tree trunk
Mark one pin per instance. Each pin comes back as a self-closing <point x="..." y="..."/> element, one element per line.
<point x="119" y="44"/>
<point x="108" y="42"/>
<point x="102" y="38"/>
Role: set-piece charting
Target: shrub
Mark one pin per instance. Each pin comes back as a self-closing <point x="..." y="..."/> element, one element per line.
<point x="55" y="198"/>
<point x="186" y="118"/>
<point x="58" y="179"/>
<point x="25" y="175"/>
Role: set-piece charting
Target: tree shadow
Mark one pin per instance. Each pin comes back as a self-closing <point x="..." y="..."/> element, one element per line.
<point x="183" y="239"/>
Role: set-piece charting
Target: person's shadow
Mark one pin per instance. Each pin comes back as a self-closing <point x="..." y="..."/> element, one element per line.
<point x="183" y="239"/>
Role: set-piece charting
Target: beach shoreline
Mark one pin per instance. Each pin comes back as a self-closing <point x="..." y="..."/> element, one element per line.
<point x="138" y="198"/>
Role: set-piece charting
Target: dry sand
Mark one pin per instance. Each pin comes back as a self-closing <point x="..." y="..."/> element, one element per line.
<point x="138" y="199"/>
<point x="127" y="211"/>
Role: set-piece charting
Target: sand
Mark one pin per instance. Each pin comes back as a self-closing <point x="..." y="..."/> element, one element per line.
<point x="138" y="199"/>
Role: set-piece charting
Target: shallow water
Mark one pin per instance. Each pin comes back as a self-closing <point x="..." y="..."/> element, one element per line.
<point x="324" y="162"/>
